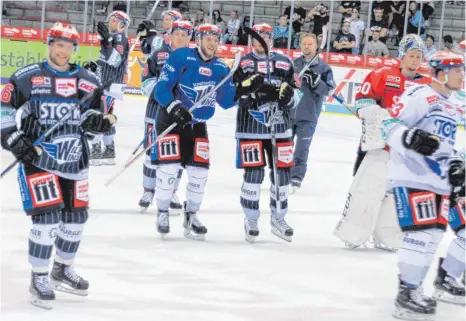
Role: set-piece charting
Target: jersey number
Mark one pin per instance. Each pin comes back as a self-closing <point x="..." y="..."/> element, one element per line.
<point x="364" y="89"/>
<point x="6" y="93"/>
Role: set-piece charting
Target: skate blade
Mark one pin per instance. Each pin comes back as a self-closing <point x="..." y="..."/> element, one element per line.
<point x="144" y="209"/>
<point x="448" y="298"/>
<point x="59" y="286"/>
<point x="107" y="161"/>
<point x="44" y="304"/>
<point x="94" y="162"/>
<point x="250" y="238"/>
<point x="163" y="236"/>
<point x="405" y="314"/>
<point x="193" y="236"/>
<point x="280" y="235"/>
<point x="384" y="247"/>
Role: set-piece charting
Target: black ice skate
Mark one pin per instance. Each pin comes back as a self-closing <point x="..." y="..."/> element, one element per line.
<point x="65" y="279"/>
<point x="108" y="156"/>
<point x="41" y="291"/>
<point x="163" y="224"/>
<point x="281" y="229"/>
<point x="175" y="206"/>
<point x="447" y="289"/>
<point x="146" y="200"/>
<point x="251" y="230"/>
<point x="431" y="302"/>
<point x="193" y="228"/>
<point x="96" y="154"/>
<point x="410" y="305"/>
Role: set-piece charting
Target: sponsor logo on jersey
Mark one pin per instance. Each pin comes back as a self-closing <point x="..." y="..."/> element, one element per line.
<point x="44" y="189"/>
<point x="201" y="150"/>
<point x="65" y="87"/>
<point x="41" y="82"/>
<point x="296" y="80"/>
<point x="205" y="71"/>
<point x="450" y="109"/>
<point x="86" y="86"/>
<point x="170" y="68"/>
<point x="169" y="147"/>
<point x="251" y="153"/>
<point x="409" y="84"/>
<point x="262" y="67"/>
<point x="432" y="99"/>
<point x="246" y="63"/>
<point x="285" y="154"/>
<point x="52" y="112"/>
<point x="191" y="58"/>
<point x="282" y="65"/>
<point x="393" y="85"/>
<point x="395" y="79"/>
<point x="445" y="128"/>
<point x="162" y="55"/>
<point x="26" y="70"/>
<point x="41" y="91"/>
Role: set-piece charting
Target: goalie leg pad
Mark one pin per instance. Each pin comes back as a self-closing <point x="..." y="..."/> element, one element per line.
<point x="387" y="229"/>
<point x="364" y="201"/>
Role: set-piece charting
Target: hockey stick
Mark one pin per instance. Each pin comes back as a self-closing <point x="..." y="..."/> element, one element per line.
<point x="139" y="146"/>
<point x="342" y="102"/>
<point x="139" y="33"/>
<point x="170" y="128"/>
<point x="264" y="45"/>
<point x="60" y="122"/>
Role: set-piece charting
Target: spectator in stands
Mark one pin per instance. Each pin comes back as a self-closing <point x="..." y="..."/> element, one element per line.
<point x="186" y="15"/>
<point x="243" y="37"/>
<point x="416" y="19"/>
<point x="398" y="12"/>
<point x="427" y="10"/>
<point x="378" y="22"/>
<point x="346" y="8"/>
<point x="430" y="48"/>
<point x="281" y="32"/>
<point x="345" y="41"/>
<point x="357" y="29"/>
<point x="375" y="47"/>
<point x="299" y="14"/>
<point x="200" y="18"/>
<point x="217" y="20"/>
<point x="319" y="14"/>
<point x="451" y="45"/>
<point x="231" y="32"/>
<point x="386" y="7"/>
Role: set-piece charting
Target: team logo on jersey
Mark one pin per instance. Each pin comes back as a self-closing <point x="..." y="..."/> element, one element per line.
<point x="65" y="87"/>
<point x="86" y="86"/>
<point x="162" y="55"/>
<point x="41" y="82"/>
<point x="193" y="94"/>
<point x="45" y="189"/>
<point x="282" y="65"/>
<point x="251" y="153"/>
<point x="64" y="149"/>
<point x="205" y="71"/>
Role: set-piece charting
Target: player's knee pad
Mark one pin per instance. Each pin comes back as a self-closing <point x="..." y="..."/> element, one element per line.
<point x="197" y="178"/>
<point x="413" y="255"/>
<point x="250" y="191"/>
<point x="69" y="235"/>
<point x="165" y="184"/>
<point x="41" y="239"/>
<point x="454" y="262"/>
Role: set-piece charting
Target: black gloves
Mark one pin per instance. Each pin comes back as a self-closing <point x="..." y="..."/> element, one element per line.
<point x="104" y="34"/>
<point x="146" y="28"/>
<point x="285" y="96"/>
<point x="456" y="173"/>
<point x="21" y="147"/>
<point x="91" y="66"/>
<point x="420" y="141"/>
<point x="311" y="78"/>
<point x="98" y="122"/>
<point x="249" y="85"/>
<point x="179" y="114"/>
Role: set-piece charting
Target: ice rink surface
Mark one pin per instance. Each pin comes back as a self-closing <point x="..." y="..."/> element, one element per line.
<point x="134" y="275"/>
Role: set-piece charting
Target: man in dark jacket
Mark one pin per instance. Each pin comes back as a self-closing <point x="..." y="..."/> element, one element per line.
<point x="317" y="81"/>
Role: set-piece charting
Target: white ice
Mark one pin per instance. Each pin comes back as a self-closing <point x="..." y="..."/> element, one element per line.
<point x="135" y="275"/>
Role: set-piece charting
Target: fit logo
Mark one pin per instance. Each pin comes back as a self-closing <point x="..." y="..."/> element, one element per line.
<point x="169" y="147"/>
<point x="424" y="208"/>
<point x="251" y="154"/>
<point x="44" y="189"/>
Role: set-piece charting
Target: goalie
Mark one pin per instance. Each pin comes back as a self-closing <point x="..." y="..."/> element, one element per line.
<point x="369" y="211"/>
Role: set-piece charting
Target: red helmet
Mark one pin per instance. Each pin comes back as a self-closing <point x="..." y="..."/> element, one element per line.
<point x="172" y="13"/>
<point x="63" y="31"/>
<point x="445" y="59"/>
<point x="121" y="16"/>
<point x="208" y="29"/>
<point x="263" y="28"/>
<point x="463" y="44"/>
<point x="182" y="25"/>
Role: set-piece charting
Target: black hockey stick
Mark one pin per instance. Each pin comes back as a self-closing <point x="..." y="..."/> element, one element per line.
<point x="42" y="137"/>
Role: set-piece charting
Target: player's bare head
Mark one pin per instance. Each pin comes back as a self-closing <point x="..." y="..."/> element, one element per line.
<point x="168" y="17"/>
<point x="180" y="33"/>
<point x="207" y="40"/>
<point x="309" y="44"/>
<point x="447" y="69"/>
<point x="62" y="41"/>
<point x="411" y="52"/>
<point x="266" y="33"/>
<point x="117" y="21"/>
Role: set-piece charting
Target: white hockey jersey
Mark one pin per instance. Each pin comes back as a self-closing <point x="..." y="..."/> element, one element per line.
<point x="424" y="108"/>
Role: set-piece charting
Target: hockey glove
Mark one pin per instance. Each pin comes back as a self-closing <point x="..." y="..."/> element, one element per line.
<point x="21" y="147"/>
<point x="104" y="34"/>
<point x="179" y="114"/>
<point x="456" y="195"/>
<point x="146" y="28"/>
<point x="311" y="78"/>
<point x="98" y="123"/>
<point x="31" y="127"/>
<point x="91" y="66"/>
<point x="420" y="141"/>
<point x="249" y="86"/>
<point x="285" y="96"/>
<point x="456" y="173"/>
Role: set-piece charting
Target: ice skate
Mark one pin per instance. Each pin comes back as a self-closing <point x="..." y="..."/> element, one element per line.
<point x="193" y="228"/>
<point x="281" y="229"/>
<point x="447" y="288"/>
<point x="146" y="200"/>
<point x="42" y="294"/>
<point x="96" y="154"/>
<point x="108" y="156"/>
<point x="295" y="186"/>
<point x="251" y="230"/>
<point x="163" y="224"/>
<point x="175" y="205"/>
<point x="410" y="305"/>
<point x="65" y="279"/>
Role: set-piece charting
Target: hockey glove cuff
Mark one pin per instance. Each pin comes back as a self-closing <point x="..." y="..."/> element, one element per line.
<point x="456" y="173"/>
<point x="285" y="96"/>
<point x="311" y="78"/>
<point x="249" y="86"/>
<point x="420" y="141"/>
<point x="97" y="122"/>
<point x="179" y="114"/>
<point x="21" y="147"/>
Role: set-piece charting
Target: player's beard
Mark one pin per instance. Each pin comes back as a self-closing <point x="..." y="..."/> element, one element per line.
<point x="208" y="52"/>
<point x="60" y="62"/>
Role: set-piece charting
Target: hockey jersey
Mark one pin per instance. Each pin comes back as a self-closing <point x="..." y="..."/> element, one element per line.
<point x="113" y="60"/>
<point x="424" y="108"/>
<point x="48" y="95"/>
<point x="187" y="78"/>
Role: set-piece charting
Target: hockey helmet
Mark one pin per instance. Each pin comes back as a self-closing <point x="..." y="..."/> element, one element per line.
<point x="410" y="42"/>
<point x="182" y="25"/>
<point x="208" y="29"/>
<point x="172" y="13"/>
<point x="263" y="28"/>
<point x="121" y="16"/>
<point x="63" y="31"/>
<point x="446" y="59"/>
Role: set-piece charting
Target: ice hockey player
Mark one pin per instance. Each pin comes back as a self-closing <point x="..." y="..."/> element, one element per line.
<point x="179" y="37"/>
<point x="257" y="96"/>
<point x="112" y="65"/>
<point x="422" y="171"/>
<point x="369" y="210"/>
<point x="53" y="176"/>
<point x="150" y="40"/>
<point x="188" y="75"/>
